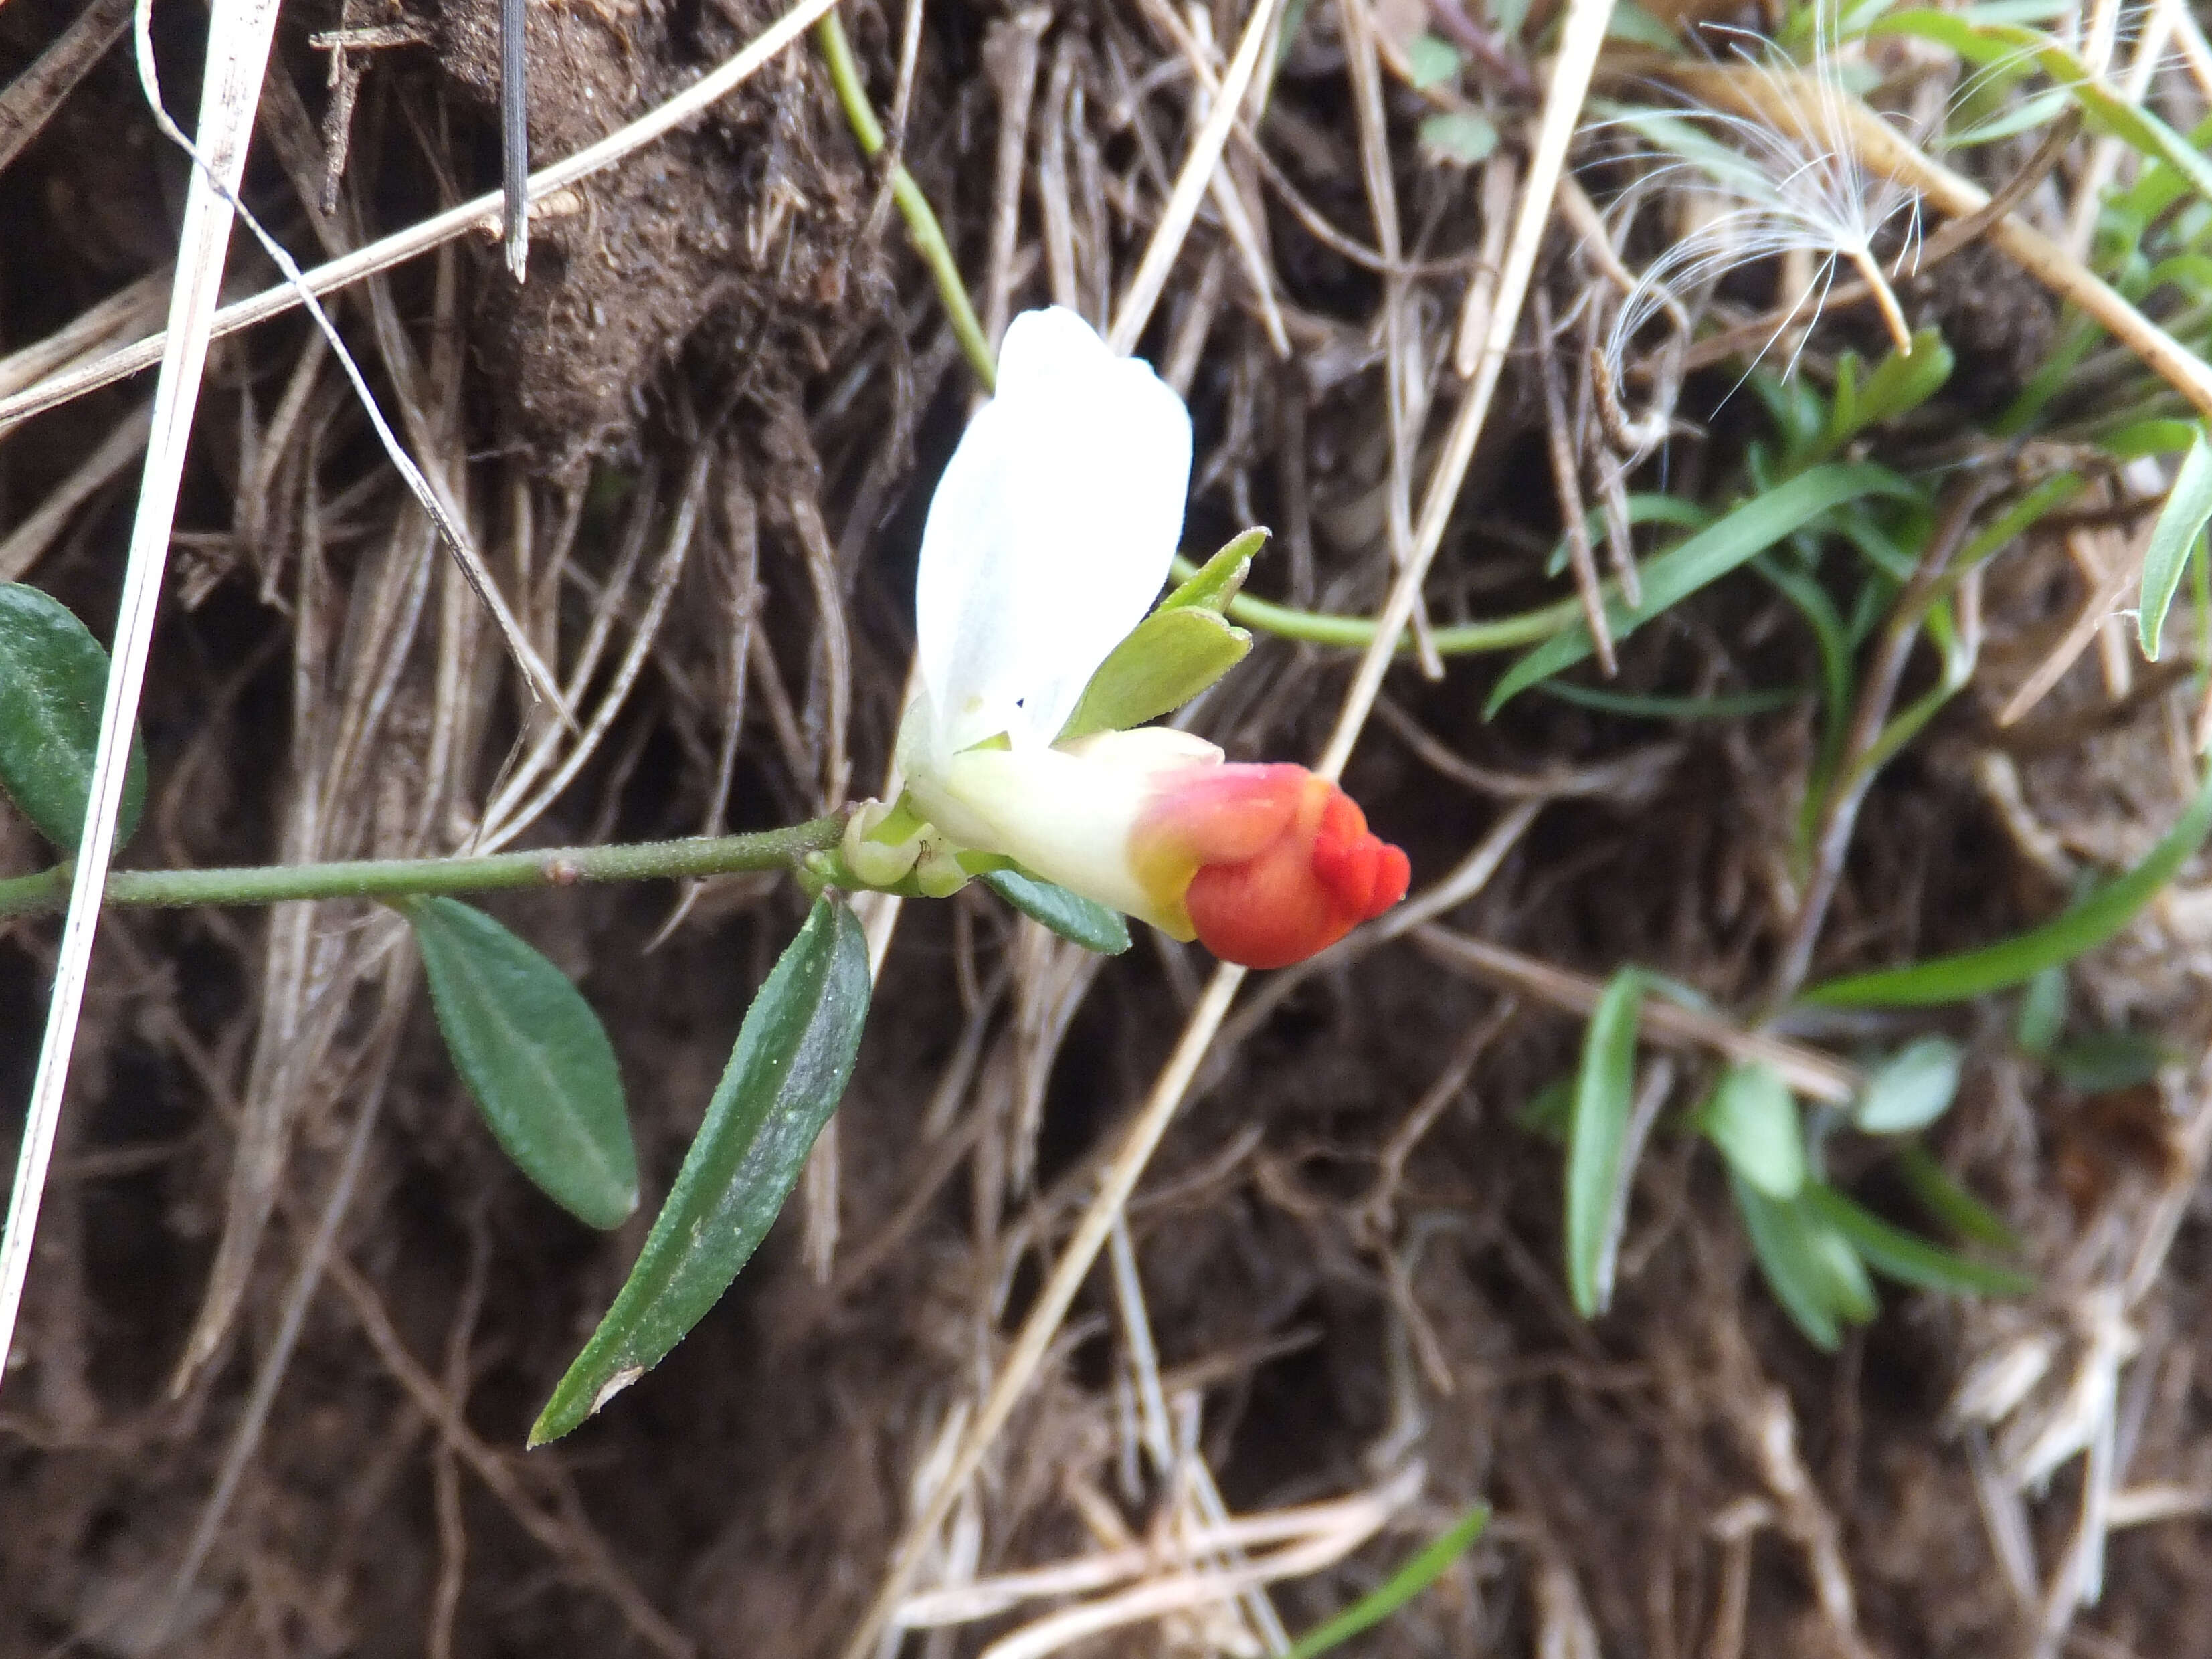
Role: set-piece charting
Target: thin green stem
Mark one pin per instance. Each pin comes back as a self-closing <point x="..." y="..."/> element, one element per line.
<point x="1353" y="633"/>
<point x="922" y="225"/>
<point x="389" y="879"/>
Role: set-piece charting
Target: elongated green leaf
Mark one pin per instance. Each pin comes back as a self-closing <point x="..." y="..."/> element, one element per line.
<point x="1167" y="659"/>
<point x="1752" y="1118"/>
<point x="53" y="681"/>
<point x="2180" y="522"/>
<point x="1650" y="706"/>
<point x="2042" y="1013"/>
<point x="1898" y="1254"/>
<point x="1549" y="1111"/>
<point x="1089" y="924"/>
<point x="1597" y="1136"/>
<point x="533" y="1055"/>
<point x="2081" y="928"/>
<point x="1952" y="1204"/>
<point x="1899" y="384"/>
<point x="793" y="1056"/>
<point x="1704" y="558"/>
<point x="1426" y="1566"/>
<point x="1813" y="1268"/>
<point x="1911" y="1088"/>
<point x="2105" y="1062"/>
<point x="1787" y="1261"/>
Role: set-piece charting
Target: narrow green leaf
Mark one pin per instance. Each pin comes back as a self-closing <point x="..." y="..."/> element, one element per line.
<point x="1898" y="1254"/>
<point x="1897" y="386"/>
<point x="1789" y="1262"/>
<point x="2103" y="1062"/>
<point x="53" y="683"/>
<point x="1654" y="706"/>
<point x="1911" y="1088"/>
<point x="1700" y="560"/>
<point x="2155" y="435"/>
<point x="1952" y="1204"/>
<point x="1549" y="1111"/>
<point x="2042" y="1014"/>
<point x="2180" y="522"/>
<point x="534" y="1055"/>
<point x="1462" y="136"/>
<point x="1089" y="924"/>
<point x="1221" y="578"/>
<point x="793" y="1056"/>
<point x="1430" y="62"/>
<point x="1422" y="1570"/>
<point x="2082" y="927"/>
<point x="1168" y="658"/>
<point x="1597" y="1136"/>
<point x="1752" y="1118"/>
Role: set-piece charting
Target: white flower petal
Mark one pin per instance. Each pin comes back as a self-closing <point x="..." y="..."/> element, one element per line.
<point x="1066" y="816"/>
<point x="1049" y="535"/>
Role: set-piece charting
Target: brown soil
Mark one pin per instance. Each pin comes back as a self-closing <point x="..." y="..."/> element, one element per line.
<point x="723" y="333"/>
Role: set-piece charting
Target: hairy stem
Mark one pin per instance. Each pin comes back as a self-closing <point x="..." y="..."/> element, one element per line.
<point x="389" y="878"/>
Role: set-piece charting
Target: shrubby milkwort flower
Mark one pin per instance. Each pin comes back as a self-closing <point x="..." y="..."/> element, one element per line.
<point x="1047" y="543"/>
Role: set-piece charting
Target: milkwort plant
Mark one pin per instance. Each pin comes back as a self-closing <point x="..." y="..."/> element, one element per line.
<point x="1028" y="763"/>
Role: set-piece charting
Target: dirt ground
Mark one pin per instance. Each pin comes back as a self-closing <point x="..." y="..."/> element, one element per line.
<point x="292" y="1313"/>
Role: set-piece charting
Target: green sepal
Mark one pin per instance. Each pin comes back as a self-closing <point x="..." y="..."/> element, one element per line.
<point x="1175" y="653"/>
<point x="1221" y="578"/>
<point x="1169" y="659"/>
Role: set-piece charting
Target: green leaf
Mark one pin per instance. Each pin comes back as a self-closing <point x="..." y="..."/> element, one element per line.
<point x="1898" y="1254"/>
<point x="1632" y="23"/>
<point x="2180" y="522"/>
<point x="793" y="1056"/>
<point x="1702" y="559"/>
<point x="1911" y="1088"/>
<point x="2103" y="109"/>
<point x="2082" y="927"/>
<point x="1644" y="507"/>
<point x="53" y="684"/>
<point x="1463" y="135"/>
<point x="2042" y="1014"/>
<point x="1952" y="1204"/>
<point x="1168" y="658"/>
<point x="2103" y="1062"/>
<point x="1654" y="706"/>
<point x="1899" y="384"/>
<point x="1752" y="1118"/>
<point x="2156" y="435"/>
<point x="1597" y="1138"/>
<point x="533" y="1055"/>
<point x="1430" y="62"/>
<point x="1549" y="1111"/>
<point x="1089" y="924"/>
<point x="1812" y="1268"/>
<point x="1422" y="1570"/>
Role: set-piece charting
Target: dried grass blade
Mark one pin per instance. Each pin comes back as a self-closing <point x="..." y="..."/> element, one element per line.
<point x="1144" y="290"/>
<point x="33" y="96"/>
<point x="239" y="36"/>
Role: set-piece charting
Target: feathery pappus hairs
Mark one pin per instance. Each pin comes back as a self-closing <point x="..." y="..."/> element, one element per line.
<point x="1775" y="187"/>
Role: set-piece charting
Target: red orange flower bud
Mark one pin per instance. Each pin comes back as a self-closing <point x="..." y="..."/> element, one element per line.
<point x="1273" y="863"/>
